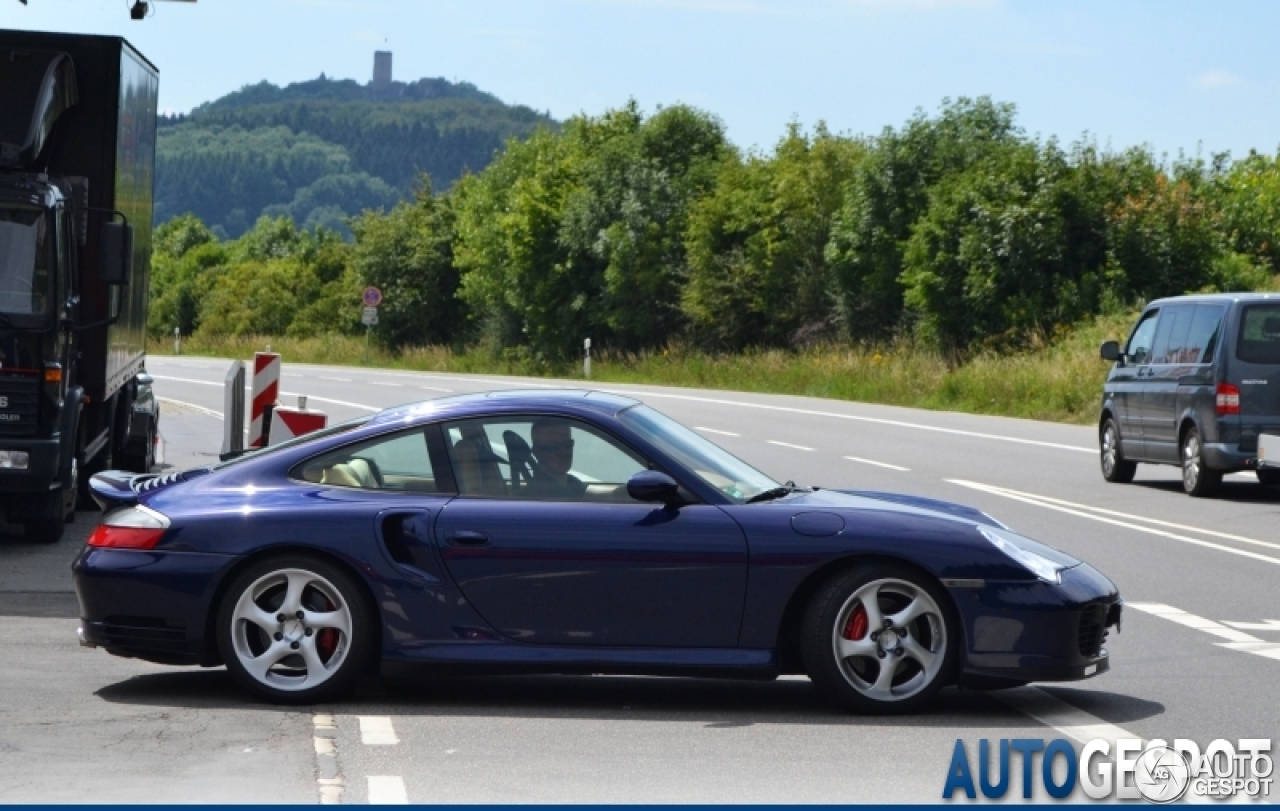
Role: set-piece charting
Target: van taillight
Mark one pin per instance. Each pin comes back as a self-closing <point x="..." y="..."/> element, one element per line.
<point x="1228" y="399"/>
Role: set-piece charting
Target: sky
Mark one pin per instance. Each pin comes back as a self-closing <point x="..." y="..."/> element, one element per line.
<point x="1180" y="77"/>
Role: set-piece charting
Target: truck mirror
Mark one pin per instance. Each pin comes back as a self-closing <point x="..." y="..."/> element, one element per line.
<point x="115" y="260"/>
<point x="1110" y="350"/>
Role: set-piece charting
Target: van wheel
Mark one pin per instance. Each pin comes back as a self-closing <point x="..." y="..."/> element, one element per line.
<point x="1269" y="478"/>
<point x="1114" y="468"/>
<point x="1197" y="479"/>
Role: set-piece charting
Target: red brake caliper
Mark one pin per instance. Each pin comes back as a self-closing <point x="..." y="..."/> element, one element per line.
<point x="327" y="639"/>
<point x="856" y="627"/>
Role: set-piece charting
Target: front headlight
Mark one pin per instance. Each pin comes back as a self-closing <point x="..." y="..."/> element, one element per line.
<point x="1044" y="562"/>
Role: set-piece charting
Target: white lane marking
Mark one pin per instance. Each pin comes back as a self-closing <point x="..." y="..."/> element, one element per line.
<point x="346" y="403"/>
<point x="330" y="787"/>
<point x="856" y="418"/>
<point x="1054" y="712"/>
<point x="715" y="431"/>
<point x="878" y="464"/>
<point x="787" y="445"/>
<point x="1039" y="502"/>
<point x="1236" y="640"/>
<point x="1192" y="621"/>
<point x="1198" y="530"/>
<point x="188" y="380"/>
<point x="376" y="730"/>
<point x="335" y="379"/>
<point x="380" y="383"/>
<point x="1265" y="625"/>
<point x="436" y="388"/>
<point x="192" y="406"/>
<point x="387" y="791"/>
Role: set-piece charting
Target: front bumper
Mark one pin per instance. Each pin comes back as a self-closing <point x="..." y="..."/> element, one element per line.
<point x="42" y="466"/>
<point x="147" y="604"/>
<point x="1034" y="631"/>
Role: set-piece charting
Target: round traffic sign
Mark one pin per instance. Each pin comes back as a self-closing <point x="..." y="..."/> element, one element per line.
<point x="372" y="297"/>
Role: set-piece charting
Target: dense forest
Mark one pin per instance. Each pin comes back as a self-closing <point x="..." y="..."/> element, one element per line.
<point x="324" y="150"/>
<point x="956" y="229"/>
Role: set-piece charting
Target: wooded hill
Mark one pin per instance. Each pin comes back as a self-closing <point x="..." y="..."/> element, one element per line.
<point x="324" y="150"/>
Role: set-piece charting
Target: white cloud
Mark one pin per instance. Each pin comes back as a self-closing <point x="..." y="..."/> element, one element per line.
<point x="1217" y="78"/>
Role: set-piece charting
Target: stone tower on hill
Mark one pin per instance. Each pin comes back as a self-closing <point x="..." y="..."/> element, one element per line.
<point x="381" y="70"/>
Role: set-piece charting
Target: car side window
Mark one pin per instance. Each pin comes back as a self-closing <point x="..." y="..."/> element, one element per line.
<point x="540" y="459"/>
<point x="1139" y="350"/>
<point x="397" y="462"/>
<point x="1171" y="334"/>
<point x="1202" y="338"/>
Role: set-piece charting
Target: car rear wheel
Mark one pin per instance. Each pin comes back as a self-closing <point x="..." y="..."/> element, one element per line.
<point x="880" y="639"/>
<point x="1114" y="468"/>
<point x="295" y="630"/>
<point x="1197" y="479"/>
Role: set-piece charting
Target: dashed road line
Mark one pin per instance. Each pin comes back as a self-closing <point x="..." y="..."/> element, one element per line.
<point x="1052" y="711"/>
<point x="376" y="730"/>
<point x="1236" y="639"/>
<point x="335" y="379"/>
<point x="387" y="790"/>
<point x="1080" y="511"/>
<point x="381" y="383"/>
<point x="787" y="445"/>
<point x="208" y="411"/>
<point x="436" y="388"/>
<point x="328" y="777"/>
<point x="714" y="431"/>
<point x="878" y="464"/>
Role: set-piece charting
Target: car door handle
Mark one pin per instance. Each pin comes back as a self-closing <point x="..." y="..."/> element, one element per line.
<point x="465" y="537"/>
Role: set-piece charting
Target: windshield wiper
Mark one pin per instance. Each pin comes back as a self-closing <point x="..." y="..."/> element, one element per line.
<point x="775" y="492"/>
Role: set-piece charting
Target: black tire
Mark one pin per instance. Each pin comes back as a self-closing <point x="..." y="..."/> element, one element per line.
<point x="852" y="682"/>
<point x="1269" y="477"/>
<point x="1197" y="479"/>
<point x="144" y="461"/>
<point x="47" y="520"/>
<point x="1114" y="468"/>
<point x="326" y="590"/>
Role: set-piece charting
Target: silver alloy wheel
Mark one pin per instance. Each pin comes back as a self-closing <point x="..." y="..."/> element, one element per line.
<point x="904" y="645"/>
<point x="1110" y="442"/>
<point x="278" y="625"/>
<point x="1191" y="462"/>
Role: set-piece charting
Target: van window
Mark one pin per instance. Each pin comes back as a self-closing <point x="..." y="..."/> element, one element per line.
<point x="1259" y="334"/>
<point x="1171" y="335"/>
<point x="1202" y="338"/>
<point x="1139" y="350"/>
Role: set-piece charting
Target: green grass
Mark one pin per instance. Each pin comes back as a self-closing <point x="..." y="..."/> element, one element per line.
<point x="1059" y="380"/>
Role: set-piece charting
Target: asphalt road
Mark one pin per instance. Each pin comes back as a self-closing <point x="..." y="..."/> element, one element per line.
<point x="80" y="725"/>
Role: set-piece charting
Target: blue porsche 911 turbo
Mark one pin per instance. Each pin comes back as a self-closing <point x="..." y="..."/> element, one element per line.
<point x="569" y="532"/>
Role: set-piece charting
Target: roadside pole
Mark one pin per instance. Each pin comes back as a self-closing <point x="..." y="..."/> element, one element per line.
<point x="371" y="297"/>
<point x="586" y="358"/>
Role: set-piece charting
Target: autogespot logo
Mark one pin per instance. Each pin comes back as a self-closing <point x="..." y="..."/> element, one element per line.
<point x="1129" y="769"/>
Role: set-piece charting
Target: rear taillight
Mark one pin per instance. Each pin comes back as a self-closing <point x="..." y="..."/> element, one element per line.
<point x="1228" y="399"/>
<point x="130" y="528"/>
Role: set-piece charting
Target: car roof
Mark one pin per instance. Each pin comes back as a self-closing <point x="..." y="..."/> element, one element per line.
<point x="1219" y="297"/>
<point x="464" y="405"/>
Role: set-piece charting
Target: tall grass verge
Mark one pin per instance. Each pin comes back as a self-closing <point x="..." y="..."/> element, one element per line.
<point x="1059" y="379"/>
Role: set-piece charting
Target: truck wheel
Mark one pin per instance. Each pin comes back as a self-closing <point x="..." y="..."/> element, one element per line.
<point x="1197" y="479"/>
<point x="48" y="519"/>
<point x="142" y="462"/>
<point x="1269" y="477"/>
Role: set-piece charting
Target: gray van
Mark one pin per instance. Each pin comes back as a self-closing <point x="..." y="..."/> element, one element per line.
<point x="1197" y="382"/>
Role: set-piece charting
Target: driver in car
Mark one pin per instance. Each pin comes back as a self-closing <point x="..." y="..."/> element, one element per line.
<point x="553" y="448"/>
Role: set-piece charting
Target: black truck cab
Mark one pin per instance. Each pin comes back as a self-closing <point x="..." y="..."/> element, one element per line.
<point x="77" y="154"/>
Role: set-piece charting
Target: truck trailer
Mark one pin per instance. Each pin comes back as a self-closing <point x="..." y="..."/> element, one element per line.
<point x="77" y="160"/>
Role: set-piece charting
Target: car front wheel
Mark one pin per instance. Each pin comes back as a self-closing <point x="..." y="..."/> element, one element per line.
<point x="295" y="629"/>
<point x="880" y="639"/>
<point x="1197" y="479"/>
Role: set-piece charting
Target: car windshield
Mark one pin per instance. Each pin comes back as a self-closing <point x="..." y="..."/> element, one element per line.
<point x="711" y="463"/>
<point x="24" y="261"/>
<point x="291" y="443"/>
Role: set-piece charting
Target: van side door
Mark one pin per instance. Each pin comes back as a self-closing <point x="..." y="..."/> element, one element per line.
<point x="1125" y="385"/>
<point x="1160" y="385"/>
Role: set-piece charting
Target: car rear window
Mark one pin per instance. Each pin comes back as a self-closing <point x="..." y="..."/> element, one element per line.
<point x="1259" y="334"/>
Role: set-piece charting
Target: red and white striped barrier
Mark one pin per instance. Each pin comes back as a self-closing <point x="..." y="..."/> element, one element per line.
<point x="287" y="423"/>
<point x="266" y="391"/>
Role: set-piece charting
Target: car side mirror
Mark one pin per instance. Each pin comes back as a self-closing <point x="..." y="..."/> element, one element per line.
<point x="655" y="486"/>
<point x="1111" y="351"/>
<point x="115" y="253"/>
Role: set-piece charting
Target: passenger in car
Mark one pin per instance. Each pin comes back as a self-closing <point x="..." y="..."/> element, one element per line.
<point x="553" y="449"/>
